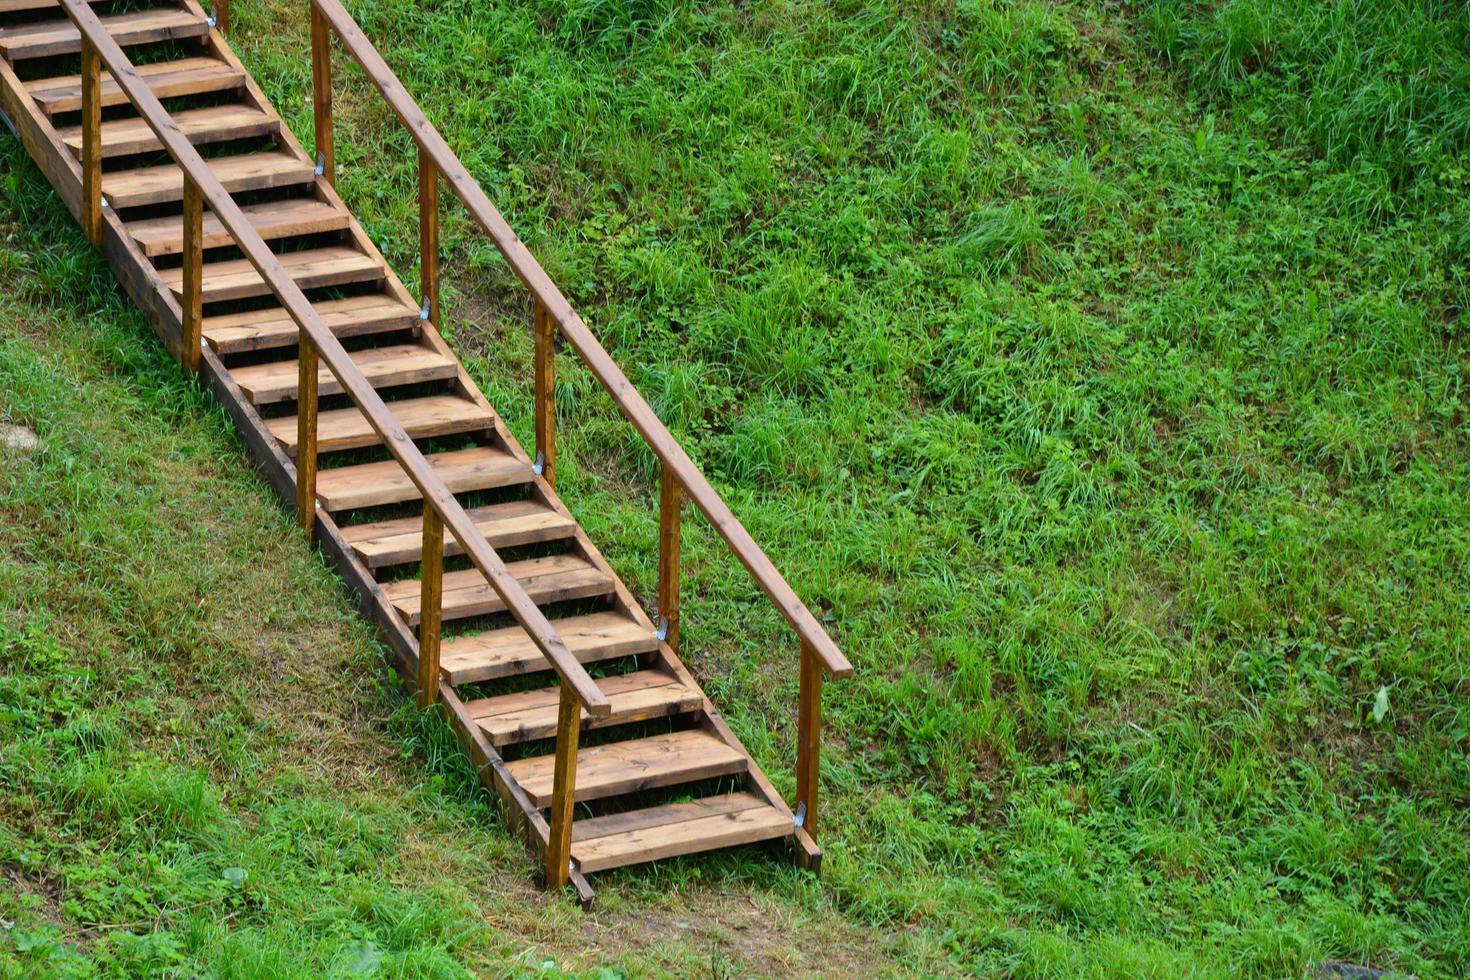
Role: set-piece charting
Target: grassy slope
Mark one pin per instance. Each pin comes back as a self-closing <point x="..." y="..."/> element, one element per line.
<point x="1099" y="371"/>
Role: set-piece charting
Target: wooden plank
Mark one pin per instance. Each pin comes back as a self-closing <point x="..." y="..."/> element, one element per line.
<point x="142" y="186"/>
<point x="670" y="499"/>
<point x="166" y="79"/>
<point x="91" y="150"/>
<point x="355" y="316"/>
<point x="544" y="393"/>
<point x="307" y="430"/>
<point x="191" y="295"/>
<point x="576" y="334"/>
<point x="212" y="124"/>
<point x="509" y="651"/>
<point x="563" y="799"/>
<point x="556" y="578"/>
<point x="374" y="484"/>
<point x="690" y="836"/>
<point x="271" y="220"/>
<point x="45" y="39"/>
<point x="527" y="716"/>
<point x="612" y="824"/>
<point x="384" y="367"/>
<point x="321" y="95"/>
<point x="809" y="739"/>
<point x="314" y="268"/>
<point x="432" y="576"/>
<point x="506" y="525"/>
<point x="421" y="418"/>
<point x="633" y="766"/>
<point x="20" y="6"/>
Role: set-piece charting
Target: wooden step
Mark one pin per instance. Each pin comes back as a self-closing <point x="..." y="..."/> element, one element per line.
<point x="600" y="843"/>
<point x="313" y="268"/>
<point x="423" y="418"/>
<point x="272" y="220"/>
<point x="383" y="367"/>
<point x="166" y="80"/>
<point x="20" y="6"/>
<point x="506" y="652"/>
<point x="141" y="186"/>
<point x="556" y="578"/>
<point x="52" y="37"/>
<point x="505" y="525"/>
<point x="633" y="766"/>
<point x="212" y="124"/>
<point x="234" y="333"/>
<point x="375" y="484"/>
<point x="528" y="716"/>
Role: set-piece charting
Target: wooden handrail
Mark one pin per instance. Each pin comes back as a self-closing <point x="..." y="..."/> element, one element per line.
<point x="435" y="494"/>
<point x="582" y="340"/>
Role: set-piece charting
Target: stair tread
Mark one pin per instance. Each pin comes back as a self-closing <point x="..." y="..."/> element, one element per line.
<point x="161" y="184"/>
<point x="313" y="268"/>
<point x="504" y="525"/>
<point x="20" y="6"/>
<point x="619" y="768"/>
<point x="600" y="843"/>
<point x="166" y="79"/>
<point x="271" y="220"/>
<point x="422" y="418"/>
<point x="273" y="327"/>
<point x="374" y="484"/>
<point x="53" y="37"/>
<point x="526" y="716"/>
<point x="211" y="124"/>
<point x="555" y="578"/>
<point x="383" y="367"/>
<point x="505" y="652"/>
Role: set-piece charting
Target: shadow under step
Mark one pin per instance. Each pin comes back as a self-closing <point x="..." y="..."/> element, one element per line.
<point x="506" y="525"/>
<point x="600" y="843"/>
<point x="421" y="418"/>
<point x="273" y="220"/>
<point x="214" y="124"/>
<point x="527" y="716"/>
<point x="509" y="651"/>
<point x="356" y="316"/>
<point x="639" y="764"/>
<point x="556" y="578"/>
<point x="45" y="39"/>
<point x="313" y="268"/>
<point x="376" y="484"/>
<point x="164" y="183"/>
<point x="166" y="80"/>
<point x="383" y="367"/>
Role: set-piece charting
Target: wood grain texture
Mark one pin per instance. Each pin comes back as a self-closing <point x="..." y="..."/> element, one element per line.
<point x="629" y="767"/>
<point x="430" y="620"/>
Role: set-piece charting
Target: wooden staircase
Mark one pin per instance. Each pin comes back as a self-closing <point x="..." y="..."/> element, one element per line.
<point x="567" y="694"/>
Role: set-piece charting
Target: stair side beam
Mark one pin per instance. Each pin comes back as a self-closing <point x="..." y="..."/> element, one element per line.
<point x="330" y="350"/>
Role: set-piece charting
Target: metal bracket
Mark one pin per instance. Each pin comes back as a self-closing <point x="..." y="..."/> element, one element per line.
<point x="321" y="164"/>
<point x="800" y="814"/>
<point x="539" y="467"/>
<point x="424" y="313"/>
<point x="213" y="19"/>
<point x="663" y="629"/>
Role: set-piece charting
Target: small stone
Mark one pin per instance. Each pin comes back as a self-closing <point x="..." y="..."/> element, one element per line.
<point x="19" y="437"/>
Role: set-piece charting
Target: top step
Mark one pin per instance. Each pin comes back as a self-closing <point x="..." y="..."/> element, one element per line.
<point x="54" y="37"/>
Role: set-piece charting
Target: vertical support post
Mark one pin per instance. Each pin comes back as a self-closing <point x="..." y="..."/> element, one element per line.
<point x="563" y="790"/>
<point x="192" y="304"/>
<point x="546" y="392"/>
<point x="222" y="16"/>
<point x="321" y="92"/>
<point x="431" y="605"/>
<point x="809" y="738"/>
<point x="91" y="142"/>
<point x="429" y="234"/>
<point x="306" y="403"/>
<point x="670" y="498"/>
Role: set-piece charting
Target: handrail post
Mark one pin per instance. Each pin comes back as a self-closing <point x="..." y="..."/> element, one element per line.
<point x="809" y="738"/>
<point x="563" y="790"/>
<point x="192" y="305"/>
<point x="545" y="392"/>
<point x="670" y="498"/>
<point x="321" y="93"/>
<point x="306" y="404"/>
<point x="429" y="235"/>
<point x="91" y="142"/>
<point x="431" y="599"/>
<point x="222" y="16"/>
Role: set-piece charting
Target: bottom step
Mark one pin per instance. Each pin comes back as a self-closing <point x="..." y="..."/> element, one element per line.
<point x="659" y="832"/>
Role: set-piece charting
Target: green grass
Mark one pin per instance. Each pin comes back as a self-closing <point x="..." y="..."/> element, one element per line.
<point x="1097" y="372"/>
